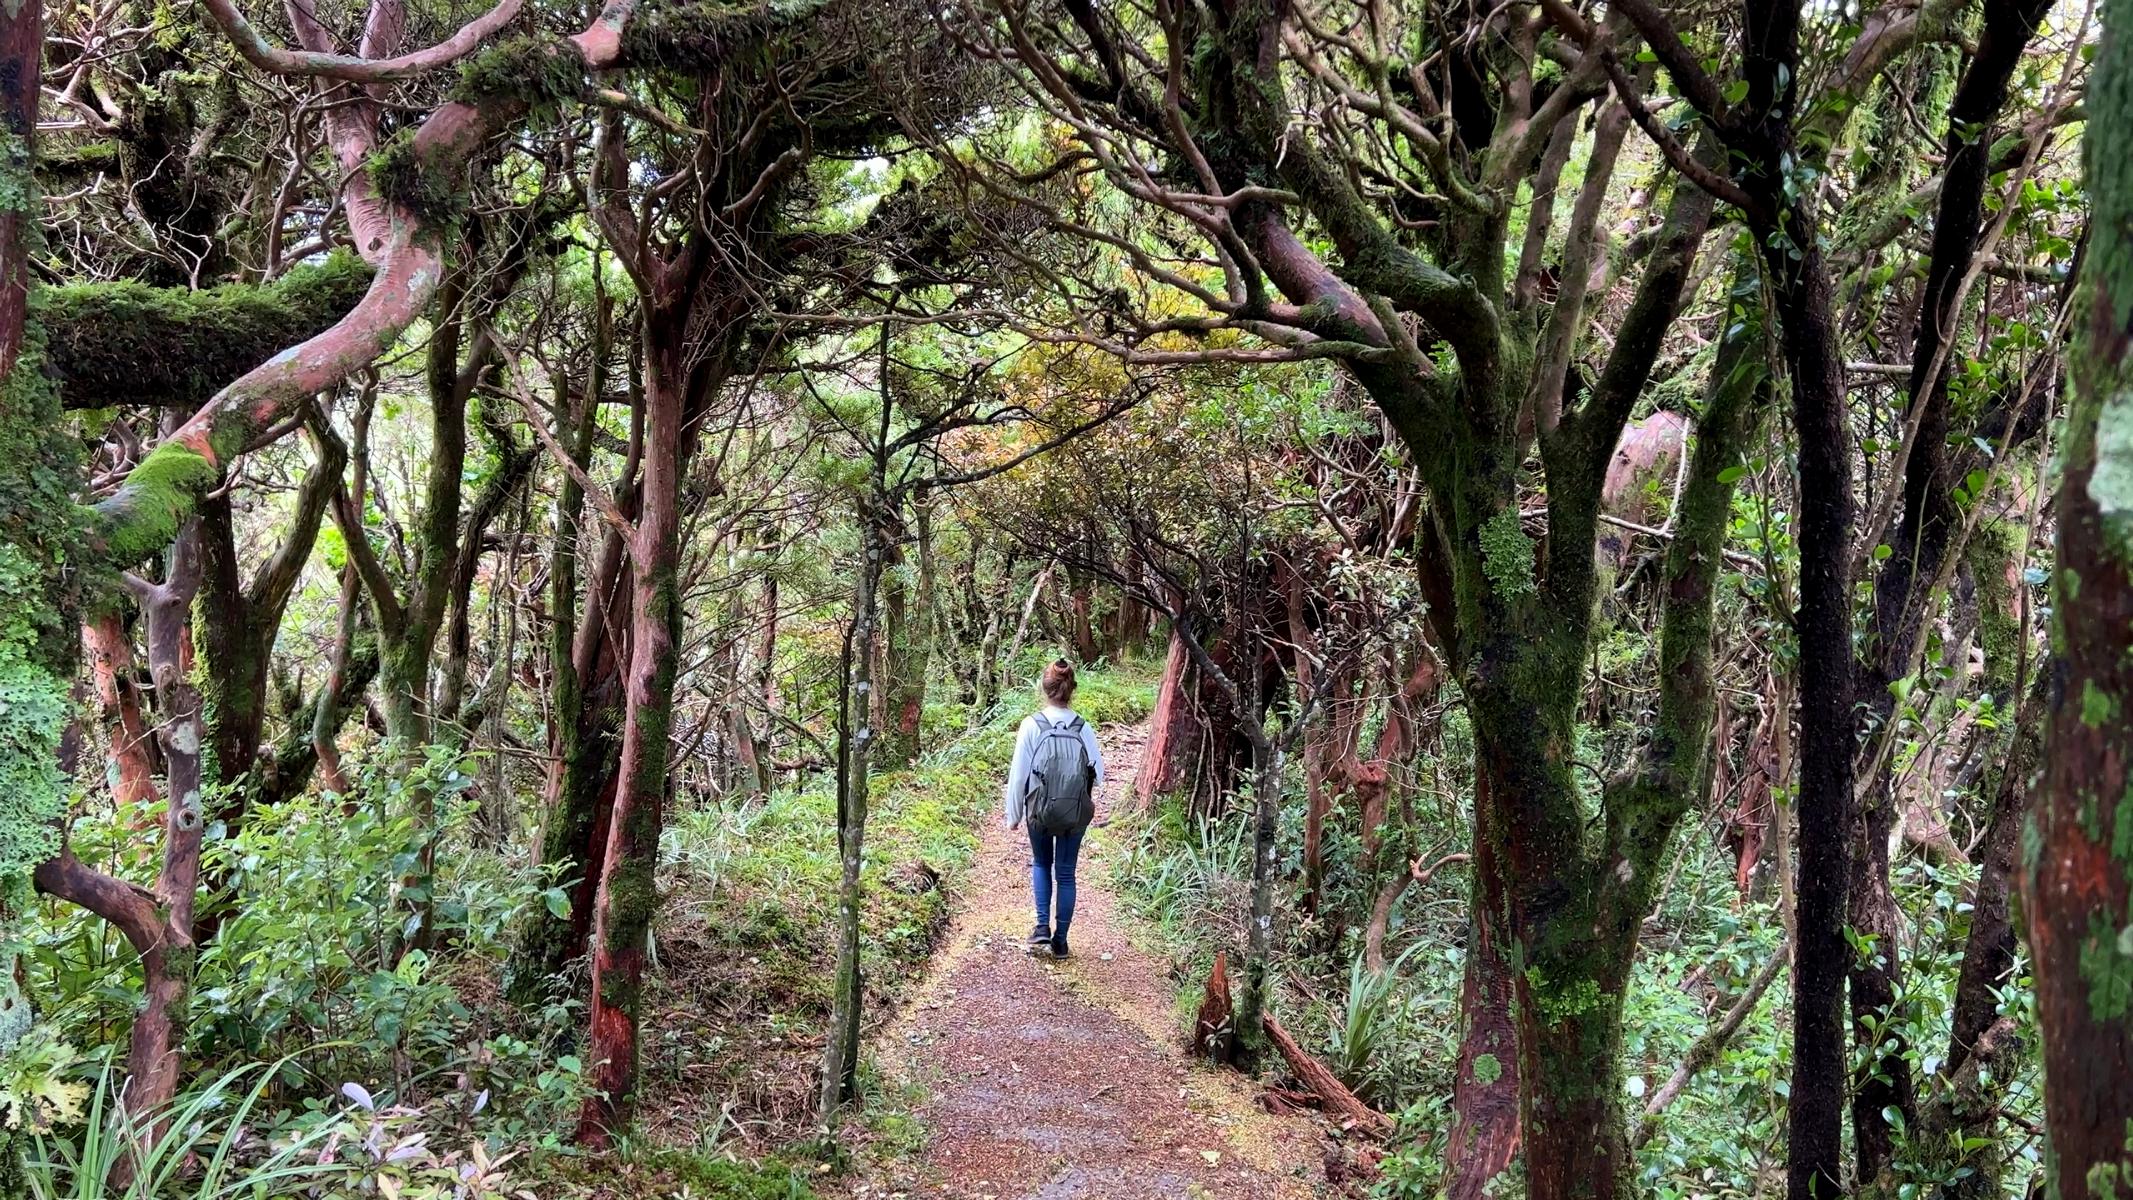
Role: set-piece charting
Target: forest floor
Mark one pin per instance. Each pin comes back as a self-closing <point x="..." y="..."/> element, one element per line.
<point x="1051" y="1080"/>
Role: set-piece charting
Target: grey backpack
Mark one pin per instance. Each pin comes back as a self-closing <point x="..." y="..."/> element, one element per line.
<point x="1061" y="778"/>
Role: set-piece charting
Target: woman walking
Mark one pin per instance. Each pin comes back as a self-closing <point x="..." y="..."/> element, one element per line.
<point x="1052" y="788"/>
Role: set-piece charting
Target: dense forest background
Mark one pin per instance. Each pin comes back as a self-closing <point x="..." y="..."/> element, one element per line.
<point x="525" y="532"/>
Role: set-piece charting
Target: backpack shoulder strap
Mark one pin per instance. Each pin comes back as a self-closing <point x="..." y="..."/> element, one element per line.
<point x="1043" y="726"/>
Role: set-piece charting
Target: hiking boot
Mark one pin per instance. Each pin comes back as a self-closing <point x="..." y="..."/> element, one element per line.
<point x="1059" y="946"/>
<point x="1040" y="936"/>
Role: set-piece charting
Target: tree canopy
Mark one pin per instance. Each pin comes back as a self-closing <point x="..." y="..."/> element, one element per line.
<point x="525" y="531"/>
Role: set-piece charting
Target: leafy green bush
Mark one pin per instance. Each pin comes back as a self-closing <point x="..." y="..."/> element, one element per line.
<point x="297" y="962"/>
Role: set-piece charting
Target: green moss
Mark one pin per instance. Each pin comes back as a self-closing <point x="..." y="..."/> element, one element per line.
<point x="436" y="192"/>
<point x="122" y="343"/>
<point x="1556" y="1001"/>
<point x="69" y="162"/>
<point x="39" y="521"/>
<point x="542" y="70"/>
<point x="1487" y="1069"/>
<point x="1507" y="555"/>
<point x="2097" y="705"/>
<point x="2107" y="966"/>
<point x="632" y="895"/>
<point x="1990" y="552"/>
<point x="705" y="33"/>
<point x="33" y="713"/>
<point x="156" y="498"/>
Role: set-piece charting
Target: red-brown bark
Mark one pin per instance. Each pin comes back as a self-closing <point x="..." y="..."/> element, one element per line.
<point x="627" y="892"/>
<point x="111" y="666"/>
<point x="2077" y="855"/>
<point x="1396" y="744"/>
<point x="1176" y="729"/>
<point x="1485" y="1093"/>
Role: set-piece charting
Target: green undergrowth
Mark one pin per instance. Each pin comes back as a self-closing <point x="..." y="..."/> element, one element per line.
<point x="1394" y="1038"/>
<point x="661" y="1174"/>
<point x="745" y="939"/>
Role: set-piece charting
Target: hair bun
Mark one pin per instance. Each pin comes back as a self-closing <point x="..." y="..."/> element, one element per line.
<point x="1058" y="681"/>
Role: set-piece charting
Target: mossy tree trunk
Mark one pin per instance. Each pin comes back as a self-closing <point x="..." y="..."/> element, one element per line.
<point x="584" y="658"/>
<point x="906" y="626"/>
<point x="580" y="788"/>
<point x="1485" y="1091"/>
<point x="241" y="618"/>
<point x="627" y="895"/>
<point x="1517" y="625"/>
<point x="855" y="744"/>
<point x="1761" y="136"/>
<point x="2077" y="853"/>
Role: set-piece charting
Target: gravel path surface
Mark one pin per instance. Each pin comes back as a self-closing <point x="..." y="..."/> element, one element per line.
<point x="1053" y="1080"/>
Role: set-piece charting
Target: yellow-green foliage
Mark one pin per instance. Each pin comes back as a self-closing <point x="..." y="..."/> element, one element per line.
<point x="39" y="1089"/>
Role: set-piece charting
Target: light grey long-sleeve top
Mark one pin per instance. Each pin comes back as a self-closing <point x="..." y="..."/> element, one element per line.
<point x="1026" y="750"/>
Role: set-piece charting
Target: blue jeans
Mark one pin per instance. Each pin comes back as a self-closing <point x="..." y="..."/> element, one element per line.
<point x="1051" y="860"/>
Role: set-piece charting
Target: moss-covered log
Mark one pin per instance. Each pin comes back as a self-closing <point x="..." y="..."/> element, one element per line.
<point x="128" y="343"/>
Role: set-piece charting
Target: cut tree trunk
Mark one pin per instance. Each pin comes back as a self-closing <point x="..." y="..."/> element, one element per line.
<point x="1334" y="1095"/>
<point x="1213" y="1030"/>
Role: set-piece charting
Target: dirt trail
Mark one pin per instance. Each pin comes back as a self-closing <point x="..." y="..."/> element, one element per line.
<point x="1053" y="1080"/>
